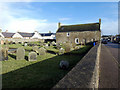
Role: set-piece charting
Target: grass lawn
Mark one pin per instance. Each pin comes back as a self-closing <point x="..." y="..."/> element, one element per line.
<point x="43" y="73"/>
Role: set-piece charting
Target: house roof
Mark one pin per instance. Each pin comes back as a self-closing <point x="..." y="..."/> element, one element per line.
<point x="24" y="34"/>
<point x="80" y="27"/>
<point x="7" y="34"/>
<point x="47" y="34"/>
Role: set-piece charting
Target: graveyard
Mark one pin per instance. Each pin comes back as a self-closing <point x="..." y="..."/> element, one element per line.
<point x="36" y="64"/>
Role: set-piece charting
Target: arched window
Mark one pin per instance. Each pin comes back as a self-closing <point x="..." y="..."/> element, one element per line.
<point x="68" y="34"/>
<point x="77" y="40"/>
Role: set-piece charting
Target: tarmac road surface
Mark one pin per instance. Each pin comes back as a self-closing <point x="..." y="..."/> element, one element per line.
<point x="108" y="69"/>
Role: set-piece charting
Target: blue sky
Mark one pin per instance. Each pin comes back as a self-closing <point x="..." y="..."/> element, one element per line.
<point x="44" y="16"/>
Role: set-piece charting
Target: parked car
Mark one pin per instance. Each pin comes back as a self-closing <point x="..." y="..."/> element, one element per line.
<point x="104" y="41"/>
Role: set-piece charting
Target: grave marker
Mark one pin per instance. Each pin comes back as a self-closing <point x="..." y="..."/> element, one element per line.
<point x="20" y="55"/>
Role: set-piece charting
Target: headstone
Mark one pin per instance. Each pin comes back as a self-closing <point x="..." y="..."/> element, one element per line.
<point x="61" y="51"/>
<point x="6" y="42"/>
<point x="41" y="44"/>
<point x="64" y="64"/>
<point x="20" y="53"/>
<point x="53" y="43"/>
<point x="3" y="54"/>
<point x="2" y="42"/>
<point x="67" y="47"/>
<point x="58" y="46"/>
<point x="32" y="56"/>
<point x="25" y="44"/>
<point x="77" y="47"/>
<point x="35" y="48"/>
<point x="42" y="51"/>
<point x="46" y="46"/>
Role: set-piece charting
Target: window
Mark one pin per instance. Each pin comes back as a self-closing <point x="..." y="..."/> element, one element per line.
<point x="68" y="34"/>
<point x="77" y="40"/>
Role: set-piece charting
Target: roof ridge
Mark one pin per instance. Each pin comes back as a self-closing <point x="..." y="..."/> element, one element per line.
<point x="81" y="24"/>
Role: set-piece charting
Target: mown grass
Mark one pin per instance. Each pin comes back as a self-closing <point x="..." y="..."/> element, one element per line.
<point x="43" y="73"/>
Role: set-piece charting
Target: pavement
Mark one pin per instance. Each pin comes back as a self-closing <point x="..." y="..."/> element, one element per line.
<point x="108" y="66"/>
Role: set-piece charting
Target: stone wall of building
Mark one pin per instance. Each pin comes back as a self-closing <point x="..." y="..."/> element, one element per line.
<point x="83" y="36"/>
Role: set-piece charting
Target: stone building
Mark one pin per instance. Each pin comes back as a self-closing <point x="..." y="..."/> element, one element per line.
<point x="78" y="34"/>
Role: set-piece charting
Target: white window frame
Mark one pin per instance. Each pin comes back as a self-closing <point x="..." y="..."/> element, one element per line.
<point x="68" y="34"/>
<point x="76" y="40"/>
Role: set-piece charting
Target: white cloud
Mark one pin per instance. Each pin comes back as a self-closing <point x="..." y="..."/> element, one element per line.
<point x="109" y="27"/>
<point x="9" y="22"/>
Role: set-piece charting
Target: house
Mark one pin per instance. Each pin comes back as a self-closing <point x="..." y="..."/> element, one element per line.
<point x="78" y="34"/>
<point x="7" y="34"/>
<point x="26" y="35"/>
<point x="23" y="35"/>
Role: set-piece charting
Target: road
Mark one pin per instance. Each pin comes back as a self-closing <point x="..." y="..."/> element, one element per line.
<point x="109" y="70"/>
<point x="115" y="50"/>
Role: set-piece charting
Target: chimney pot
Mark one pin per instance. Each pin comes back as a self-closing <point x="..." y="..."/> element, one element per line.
<point x="59" y="25"/>
<point x="100" y="20"/>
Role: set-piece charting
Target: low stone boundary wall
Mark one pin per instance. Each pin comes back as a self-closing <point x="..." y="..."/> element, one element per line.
<point x="21" y="40"/>
<point x="84" y="74"/>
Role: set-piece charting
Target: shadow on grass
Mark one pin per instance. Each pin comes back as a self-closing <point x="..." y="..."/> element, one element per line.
<point x="26" y="58"/>
<point x="43" y="74"/>
<point x="13" y="56"/>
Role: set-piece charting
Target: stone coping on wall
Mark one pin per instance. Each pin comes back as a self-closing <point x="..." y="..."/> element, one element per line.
<point x="81" y="75"/>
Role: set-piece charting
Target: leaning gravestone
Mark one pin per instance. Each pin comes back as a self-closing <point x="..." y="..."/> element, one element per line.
<point x="61" y="51"/>
<point x="32" y="56"/>
<point x="20" y="53"/>
<point x="42" y="51"/>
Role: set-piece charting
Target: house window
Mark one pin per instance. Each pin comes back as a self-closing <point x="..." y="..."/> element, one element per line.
<point x="68" y="34"/>
<point x="77" y="40"/>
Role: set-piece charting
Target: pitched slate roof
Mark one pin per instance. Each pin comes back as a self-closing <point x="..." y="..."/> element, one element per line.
<point x="8" y="34"/>
<point x="24" y="34"/>
<point x="80" y="27"/>
<point x="47" y="34"/>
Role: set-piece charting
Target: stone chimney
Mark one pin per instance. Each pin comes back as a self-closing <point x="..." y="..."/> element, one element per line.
<point x="59" y="25"/>
<point x="49" y="32"/>
<point x="100" y="20"/>
<point x="6" y="31"/>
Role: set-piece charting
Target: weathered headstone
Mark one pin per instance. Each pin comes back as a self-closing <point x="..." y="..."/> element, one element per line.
<point x="35" y="48"/>
<point x="64" y="64"/>
<point x="25" y="44"/>
<point x="46" y="46"/>
<point x="58" y="46"/>
<point x="3" y="54"/>
<point x="61" y="51"/>
<point x="42" y="51"/>
<point x="53" y="43"/>
<point x="67" y="47"/>
<point x="5" y="50"/>
<point x="32" y="56"/>
<point x="41" y="44"/>
<point x="77" y="47"/>
<point x="2" y="42"/>
<point x="20" y="55"/>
